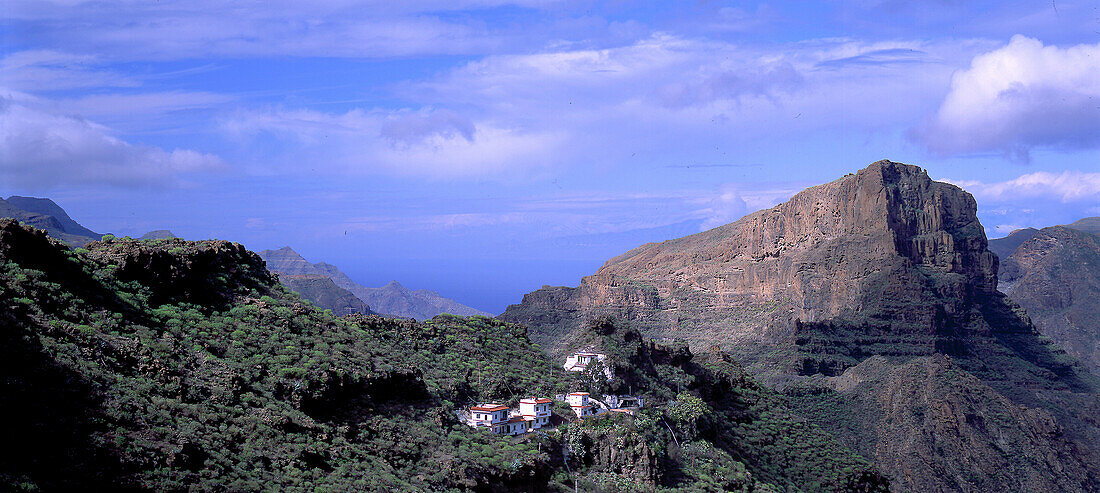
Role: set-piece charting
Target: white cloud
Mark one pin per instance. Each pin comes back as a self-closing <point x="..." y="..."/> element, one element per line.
<point x="40" y="150"/>
<point x="177" y="29"/>
<point x="1067" y="186"/>
<point x="429" y="143"/>
<point x="38" y="70"/>
<point x="1022" y="96"/>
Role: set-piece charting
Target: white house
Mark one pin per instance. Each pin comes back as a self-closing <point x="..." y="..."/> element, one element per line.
<point x="534" y="413"/>
<point x="582" y="405"/>
<point x="493" y="417"/>
<point x="580" y="361"/>
<point x="537" y="411"/>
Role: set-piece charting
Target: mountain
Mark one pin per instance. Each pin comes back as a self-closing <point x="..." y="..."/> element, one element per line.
<point x="1089" y="225"/>
<point x="1004" y="247"/>
<point x="391" y="299"/>
<point x="184" y="365"/>
<point x="881" y="263"/>
<point x="49" y="208"/>
<point x="160" y="234"/>
<point x="45" y="214"/>
<point x="1055" y="276"/>
<point x="325" y="294"/>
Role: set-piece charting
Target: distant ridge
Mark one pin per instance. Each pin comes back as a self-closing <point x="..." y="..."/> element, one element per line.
<point x="1004" y="247"/>
<point x="160" y="234"/>
<point x="1089" y="225"/>
<point x="391" y="299"/>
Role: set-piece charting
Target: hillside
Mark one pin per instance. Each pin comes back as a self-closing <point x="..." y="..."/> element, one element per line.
<point x="1055" y="276"/>
<point x="391" y="299"/>
<point x="173" y="365"/>
<point x="884" y="262"/>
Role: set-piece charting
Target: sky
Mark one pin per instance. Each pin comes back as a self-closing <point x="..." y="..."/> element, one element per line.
<point x="483" y="149"/>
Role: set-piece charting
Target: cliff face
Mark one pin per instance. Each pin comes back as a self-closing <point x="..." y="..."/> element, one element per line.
<point x="887" y="248"/>
<point x="1055" y="276"/>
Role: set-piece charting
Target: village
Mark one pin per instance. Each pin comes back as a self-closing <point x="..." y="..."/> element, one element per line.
<point x="534" y="412"/>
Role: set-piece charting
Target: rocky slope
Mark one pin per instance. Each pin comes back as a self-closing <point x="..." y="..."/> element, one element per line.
<point x="1055" y="276"/>
<point x="958" y="429"/>
<point x="391" y="299"/>
<point x="882" y="262"/>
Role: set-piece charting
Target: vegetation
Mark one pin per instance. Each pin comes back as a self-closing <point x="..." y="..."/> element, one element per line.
<point x="174" y="365"/>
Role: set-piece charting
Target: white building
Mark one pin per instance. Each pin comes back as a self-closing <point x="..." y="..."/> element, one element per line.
<point x="580" y="361"/>
<point x="581" y="404"/>
<point x="493" y="417"/>
<point x="537" y="411"/>
<point x="534" y="413"/>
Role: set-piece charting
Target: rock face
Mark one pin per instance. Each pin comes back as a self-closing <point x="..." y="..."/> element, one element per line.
<point x="887" y="248"/>
<point x="1055" y="276"/>
<point x="325" y="294"/>
<point x="391" y="299"/>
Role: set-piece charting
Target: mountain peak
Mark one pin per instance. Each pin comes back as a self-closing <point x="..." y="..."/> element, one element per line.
<point x="866" y="248"/>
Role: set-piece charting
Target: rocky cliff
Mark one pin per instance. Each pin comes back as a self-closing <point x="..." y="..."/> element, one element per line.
<point x="886" y="248"/>
<point x="938" y="428"/>
<point x="1055" y="276"/>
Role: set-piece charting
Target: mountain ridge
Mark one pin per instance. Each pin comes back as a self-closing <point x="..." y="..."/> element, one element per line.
<point x="391" y="299"/>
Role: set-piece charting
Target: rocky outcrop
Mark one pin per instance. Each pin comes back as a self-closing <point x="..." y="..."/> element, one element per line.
<point x="159" y="234"/>
<point x="886" y="248"/>
<point x="1055" y="276"/>
<point x="207" y="273"/>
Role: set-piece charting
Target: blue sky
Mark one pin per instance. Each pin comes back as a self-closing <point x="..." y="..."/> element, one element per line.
<point x="483" y="149"/>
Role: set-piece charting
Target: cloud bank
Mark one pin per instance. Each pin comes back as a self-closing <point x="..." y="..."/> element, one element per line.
<point x="1019" y="97"/>
<point x="41" y="150"/>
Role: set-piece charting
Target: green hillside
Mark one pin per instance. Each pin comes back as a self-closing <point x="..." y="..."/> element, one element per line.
<point x="170" y="365"/>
